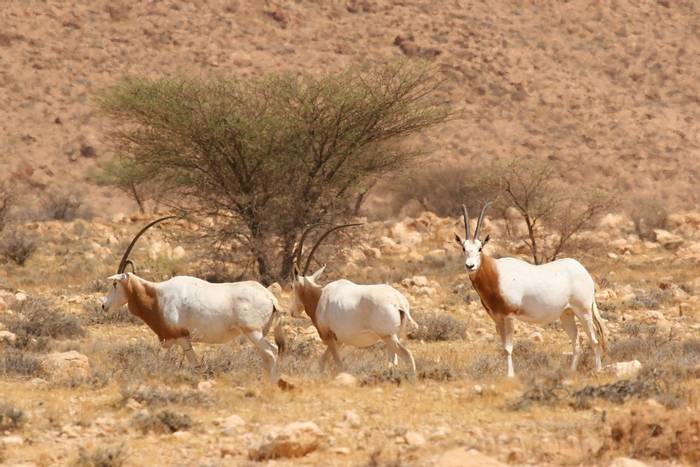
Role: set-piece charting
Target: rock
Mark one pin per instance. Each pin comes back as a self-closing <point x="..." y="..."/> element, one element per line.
<point x="231" y="424"/>
<point x="66" y="366"/>
<point x="437" y="257"/>
<point x="112" y="240"/>
<point x="404" y="234"/>
<point x="12" y="440"/>
<point x="536" y="337"/>
<point x="624" y="369"/>
<point x="3" y="304"/>
<point x="414" y="439"/>
<point x="478" y="389"/>
<point x="88" y="151"/>
<point x="415" y="281"/>
<point x="667" y="239"/>
<point x="345" y="379"/>
<point x="7" y="337"/>
<point x="463" y="457"/>
<point x="205" y="386"/>
<point x="118" y="217"/>
<point x="371" y="252"/>
<point x="612" y="255"/>
<point x="20" y="297"/>
<point x="179" y="252"/>
<point x="293" y="440"/>
<point x="351" y="419"/>
<point x="626" y="462"/>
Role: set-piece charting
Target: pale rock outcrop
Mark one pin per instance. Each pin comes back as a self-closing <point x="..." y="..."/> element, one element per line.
<point x="293" y="440"/>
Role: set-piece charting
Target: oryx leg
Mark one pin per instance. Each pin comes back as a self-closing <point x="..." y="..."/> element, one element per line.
<point x="586" y="318"/>
<point x="332" y="348"/>
<point x="504" y="325"/>
<point x="324" y="360"/>
<point x="397" y="347"/>
<point x="568" y="322"/>
<point x="185" y="344"/>
<point x="266" y="352"/>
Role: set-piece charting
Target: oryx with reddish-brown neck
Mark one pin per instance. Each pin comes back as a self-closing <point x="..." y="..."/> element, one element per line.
<point x="347" y="313"/>
<point x="510" y="288"/>
<point x="185" y="309"/>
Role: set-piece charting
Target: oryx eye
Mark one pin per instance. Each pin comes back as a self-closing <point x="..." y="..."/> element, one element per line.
<point x="115" y="285"/>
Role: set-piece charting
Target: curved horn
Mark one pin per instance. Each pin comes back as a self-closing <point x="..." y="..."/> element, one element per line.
<point x="481" y="218"/>
<point x="466" y="221"/>
<point x="125" y="258"/>
<point x="300" y="246"/>
<point x="321" y="239"/>
<point x="128" y="262"/>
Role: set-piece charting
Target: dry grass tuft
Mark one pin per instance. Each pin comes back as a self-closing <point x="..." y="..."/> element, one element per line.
<point x="435" y="327"/>
<point x="11" y="417"/>
<point x="161" y="395"/>
<point x="101" y="456"/>
<point x="17" y="246"/>
<point x="36" y="322"/>
<point x="18" y="363"/>
<point x="165" y="421"/>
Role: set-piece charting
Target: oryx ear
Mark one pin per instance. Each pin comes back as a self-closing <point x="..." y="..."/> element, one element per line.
<point x="458" y="239"/>
<point x="486" y="240"/>
<point x="118" y="277"/>
<point x="317" y="274"/>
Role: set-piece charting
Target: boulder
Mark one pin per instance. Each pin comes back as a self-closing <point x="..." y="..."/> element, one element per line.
<point x="7" y="337"/>
<point x="463" y="457"/>
<point x="667" y="239"/>
<point x="624" y="369"/>
<point x="626" y="462"/>
<point x="345" y="379"/>
<point x="179" y="252"/>
<point x="293" y="440"/>
<point x="231" y="424"/>
<point x="66" y="366"/>
<point x="437" y="257"/>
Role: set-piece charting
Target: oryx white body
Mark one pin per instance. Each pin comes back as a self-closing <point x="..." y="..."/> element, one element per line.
<point x="357" y="315"/>
<point x="542" y="293"/>
<point x="510" y="289"/>
<point x="215" y="313"/>
<point x="186" y="309"/>
<point x="361" y="315"/>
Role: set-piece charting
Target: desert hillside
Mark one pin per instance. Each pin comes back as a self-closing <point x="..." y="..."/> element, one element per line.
<point x="607" y="91"/>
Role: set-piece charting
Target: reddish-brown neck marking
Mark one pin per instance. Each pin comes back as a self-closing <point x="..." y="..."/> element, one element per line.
<point x="485" y="281"/>
<point x="309" y="296"/>
<point x="143" y="302"/>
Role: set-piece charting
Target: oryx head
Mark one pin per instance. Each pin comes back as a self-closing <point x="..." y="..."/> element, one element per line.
<point x="117" y="296"/>
<point x="472" y="246"/>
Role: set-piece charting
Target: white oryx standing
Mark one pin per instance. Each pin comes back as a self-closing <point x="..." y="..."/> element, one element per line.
<point x="511" y="288"/>
<point x="186" y="309"/>
<point x="347" y="313"/>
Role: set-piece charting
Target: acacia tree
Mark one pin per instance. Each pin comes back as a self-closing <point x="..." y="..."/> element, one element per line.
<point x="270" y="156"/>
<point x="548" y="206"/>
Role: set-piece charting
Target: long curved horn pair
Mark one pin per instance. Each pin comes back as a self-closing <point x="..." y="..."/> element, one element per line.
<point x="478" y="223"/>
<point x="125" y="258"/>
<point x="300" y="247"/>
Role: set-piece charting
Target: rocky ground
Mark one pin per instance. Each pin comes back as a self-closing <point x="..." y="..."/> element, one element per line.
<point x="81" y="387"/>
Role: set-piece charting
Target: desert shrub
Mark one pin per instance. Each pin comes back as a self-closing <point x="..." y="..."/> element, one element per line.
<point x="437" y="371"/>
<point x="18" y="246"/>
<point x="648" y="214"/>
<point x="16" y="362"/>
<point x="62" y="206"/>
<point x="435" y="327"/>
<point x="10" y="417"/>
<point x="650" y="299"/>
<point x="165" y="421"/>
<point x="101" y="456"/>
<point x="486" y="365"/>
<point x="36" y="322"/>
<point x="161" y="395"/>
<point x="143" y="359"/>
